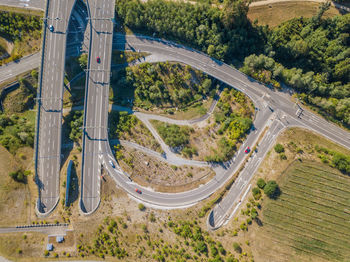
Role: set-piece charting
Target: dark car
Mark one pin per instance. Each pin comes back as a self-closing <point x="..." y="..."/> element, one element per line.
<point x="98" y="59"/>
<point x="247" y="150"/>
<point x="51" y="28"/>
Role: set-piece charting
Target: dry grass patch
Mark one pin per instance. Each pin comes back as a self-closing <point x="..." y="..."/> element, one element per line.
<point x="276" y="13"/>
<point x="19" y="248"/>
<point x="150" y="172"/>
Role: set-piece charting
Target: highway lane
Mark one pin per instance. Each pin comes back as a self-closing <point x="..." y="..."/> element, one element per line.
<point x="263" y="97"/>
<point x="101" y="13"/>
<point x="31" y="4"/>
<point x="50" y="103"/>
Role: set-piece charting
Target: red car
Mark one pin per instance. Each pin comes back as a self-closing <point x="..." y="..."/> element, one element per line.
<point x="98" y="59"/>
<point x="247" y="150"/>
<point x="138" y="191"/>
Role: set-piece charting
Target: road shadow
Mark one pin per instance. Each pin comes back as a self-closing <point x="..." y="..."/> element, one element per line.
<point x="74" y="186"/>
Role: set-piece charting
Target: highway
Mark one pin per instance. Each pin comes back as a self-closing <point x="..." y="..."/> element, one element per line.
<point x="95" y="136"/>
<point x="31" y="4"/>
<point x="265" y="99"/>
<point x="275" y="110"/>
<point x="50" y="102"/>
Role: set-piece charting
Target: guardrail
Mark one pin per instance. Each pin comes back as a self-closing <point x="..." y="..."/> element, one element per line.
<point x="43" y="225"/>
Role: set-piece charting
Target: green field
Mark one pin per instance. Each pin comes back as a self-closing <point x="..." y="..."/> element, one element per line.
<point x="312" y="215"/>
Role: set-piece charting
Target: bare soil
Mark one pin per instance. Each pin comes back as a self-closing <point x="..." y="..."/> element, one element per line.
<point x="151" y="172"/>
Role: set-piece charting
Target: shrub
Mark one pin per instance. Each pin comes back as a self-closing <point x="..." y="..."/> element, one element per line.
<point x="279" y="148"/>
<point x="237" y="247"/>
<point x="271" y="189"/>
<point x="261" y="183"/>
<point x="46" y="253"/>
<point x="141" y="207"/>
<point x="283" y="156"/>
<point x="256" y="192"/>
<point x="202" y="247"/>
<point x="19" y="176"/>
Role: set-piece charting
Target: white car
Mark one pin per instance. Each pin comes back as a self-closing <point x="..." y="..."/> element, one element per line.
<point x="111" y="163"/>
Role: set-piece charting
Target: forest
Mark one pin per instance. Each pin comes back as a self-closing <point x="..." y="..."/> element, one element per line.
<point x="312" y="55"/>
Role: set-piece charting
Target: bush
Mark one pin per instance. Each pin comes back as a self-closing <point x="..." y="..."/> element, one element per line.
<point x="141" y="207"/>
<point x="283" y="156"/>
<point x="279" y="148"/>
<point x="19" y="176"/>
<point x="237" y="247"/>
<point x="46" y="253"/>
<point x="261" y="183"/>
<point x="271" y="189"/>
<point x="256" y="193"/>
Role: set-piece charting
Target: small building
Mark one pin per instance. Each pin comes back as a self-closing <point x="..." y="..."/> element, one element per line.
<point x="59" y="239"/>
<point x="49" y="247"/>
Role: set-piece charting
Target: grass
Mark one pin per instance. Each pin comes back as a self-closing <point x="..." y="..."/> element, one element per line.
<point x="276" y="13"/>
<point x="24" y="11"/>
<point x="313" y="209"/>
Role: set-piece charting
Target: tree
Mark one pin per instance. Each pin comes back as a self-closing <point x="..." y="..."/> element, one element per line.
<point x="279" y="148"/>
<point x="261" y="183"/>
<point x="83" y="61"/>
<point x="271" y="189"/>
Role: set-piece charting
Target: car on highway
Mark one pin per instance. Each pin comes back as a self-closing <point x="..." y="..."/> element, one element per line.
<point x="111" y="163"/>
<point x="247" y="150"/>
<point x="138" y="191"/>
<point x="98" y="59"/>
<point x="51" y="28"/>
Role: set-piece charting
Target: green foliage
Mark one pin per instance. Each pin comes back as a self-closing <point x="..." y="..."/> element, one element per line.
<point x="83" y="60"/>
<point x="271" y="189"/>
<point x="312" y="56"/>
<point x="256" y="193"/>
<point x="223" y="33"/>
<point x="121" y="122"/>
<point x="202" y="247"/>
<point x="173" y="135"/>
<point x="75" y="120"/>
<point x="279" y="148"/>
<point x="165" y="85"/>
<point x="16" y="132"/>
<point x="261" y="183"/>
<point x="20" y="176"/>
<point x="338" y="160"/>
<point x="13" y="25"/>
<point x="141" y="207"/>
<point x="237" y="247"/>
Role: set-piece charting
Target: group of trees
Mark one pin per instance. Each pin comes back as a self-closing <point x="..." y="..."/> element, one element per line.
<point x="166" y="84"/>
<point x="15" y="132"/>
<point x="233" y="120"/>
<point x="270" y="188"/>
<point x="223" y="33"/>
<point x="121" y="122"/>
<point x="173" y="135"/>
<point x="337" y="160"/>
<point x="309" y="54"/>
<point x="75" y="122"/>
<point x="312" y="56"/>
<point x="14" y="25"/>
<point x="20" y="175"/>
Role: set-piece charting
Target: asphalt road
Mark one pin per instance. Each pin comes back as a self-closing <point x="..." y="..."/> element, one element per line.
<point x="95" y="136"/>
<point x="50" y="102"/>
<point x="261" y="95"/>
<point x="264" y="98"/>
<point x="32" y="4"/>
